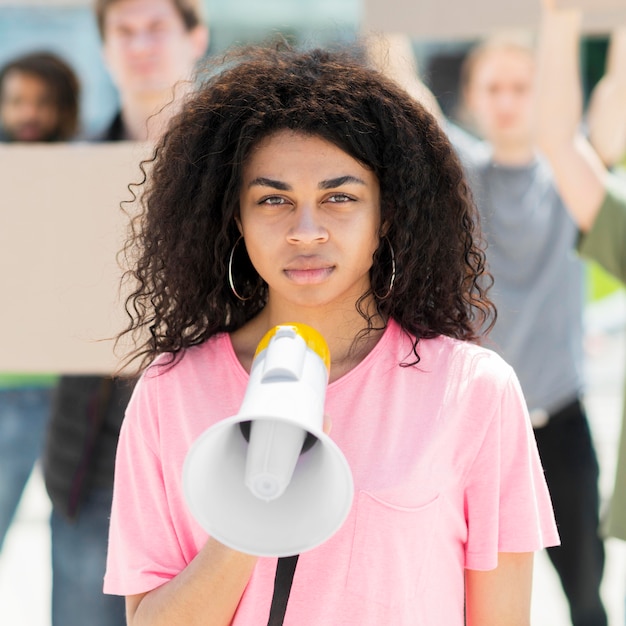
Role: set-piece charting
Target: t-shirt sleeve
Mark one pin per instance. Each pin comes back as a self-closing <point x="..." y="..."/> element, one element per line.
<point x="143" y="548"/>
<point x="508" y="507"/>
<point x="605" y="243"/>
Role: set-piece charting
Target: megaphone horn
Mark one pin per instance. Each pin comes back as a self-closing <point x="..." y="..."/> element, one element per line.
<point x="268" y="481"/>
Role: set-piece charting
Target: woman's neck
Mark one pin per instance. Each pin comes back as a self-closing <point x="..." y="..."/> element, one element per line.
<point x="346" y="334"/>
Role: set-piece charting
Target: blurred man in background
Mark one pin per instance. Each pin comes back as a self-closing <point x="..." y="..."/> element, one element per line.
<point x="151" y="48"/>
<point x="538" y="287"/>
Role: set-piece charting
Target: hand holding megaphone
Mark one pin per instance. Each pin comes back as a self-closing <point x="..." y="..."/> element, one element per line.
<point x="269" y="481"/>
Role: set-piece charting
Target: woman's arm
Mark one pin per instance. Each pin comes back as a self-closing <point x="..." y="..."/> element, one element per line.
<point x="607" y="107"/>
<point x="579" y="174"/>
<point x="207" y="592"/>
<point x="500" y="597"/>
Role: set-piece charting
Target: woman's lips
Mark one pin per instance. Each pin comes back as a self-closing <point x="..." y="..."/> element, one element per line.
<point x="308" y="273"/>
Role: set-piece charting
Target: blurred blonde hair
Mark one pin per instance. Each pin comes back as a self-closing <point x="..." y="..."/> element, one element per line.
<point x="514" y="41"/>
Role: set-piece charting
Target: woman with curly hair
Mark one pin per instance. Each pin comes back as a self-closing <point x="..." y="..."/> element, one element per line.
<point x="306" y="187"/>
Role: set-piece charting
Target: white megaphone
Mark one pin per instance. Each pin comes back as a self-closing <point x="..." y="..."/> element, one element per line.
<point x="268" y="481"/>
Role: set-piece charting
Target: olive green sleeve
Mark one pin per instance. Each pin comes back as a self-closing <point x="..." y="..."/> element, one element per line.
<point x="605" y="243"/>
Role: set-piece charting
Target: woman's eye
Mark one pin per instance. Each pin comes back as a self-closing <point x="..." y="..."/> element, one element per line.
<point x="272" y="201"/>
<point x="339" y="197"/>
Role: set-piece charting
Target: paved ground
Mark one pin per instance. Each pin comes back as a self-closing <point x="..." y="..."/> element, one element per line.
<point x="25" y="563"/>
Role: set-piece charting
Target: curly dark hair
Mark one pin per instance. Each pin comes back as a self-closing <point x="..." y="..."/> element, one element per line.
<point x="183" y="234"/>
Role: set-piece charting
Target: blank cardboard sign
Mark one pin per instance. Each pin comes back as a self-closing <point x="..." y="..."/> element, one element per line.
<point x="61" y="227"/>
<point x="592" y="5"/>
<point x="599" y="16"/>
<point x="448" y="19"/>
<point x="463" y="19"/>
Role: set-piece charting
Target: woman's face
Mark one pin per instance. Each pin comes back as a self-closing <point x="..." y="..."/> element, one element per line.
<point x="310" y="218"/>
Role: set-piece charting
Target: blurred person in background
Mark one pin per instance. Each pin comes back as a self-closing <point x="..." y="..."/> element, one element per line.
<point x="39" y="101"/>
<point x="595" y="197"/>
<point x="538" y="288"/>
<point x="151" y="48"/>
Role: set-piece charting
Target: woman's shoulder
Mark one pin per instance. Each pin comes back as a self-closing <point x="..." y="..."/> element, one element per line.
<point x="215" y="352"/>
<point x="465" y="358"/>
<point x="206" y="375"/>
<point x="447" y="357"/>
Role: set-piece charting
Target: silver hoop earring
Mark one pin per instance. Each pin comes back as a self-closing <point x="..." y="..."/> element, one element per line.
<point x="393" y="272"/>
<point x="230" y="272"/>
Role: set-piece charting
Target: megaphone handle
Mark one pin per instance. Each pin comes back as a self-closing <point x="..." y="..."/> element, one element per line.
<point x="285" y="570"/>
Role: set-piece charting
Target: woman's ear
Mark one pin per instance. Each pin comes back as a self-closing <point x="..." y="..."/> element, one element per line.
<point x="239" y="226"/>
<point x="384" y="229"/>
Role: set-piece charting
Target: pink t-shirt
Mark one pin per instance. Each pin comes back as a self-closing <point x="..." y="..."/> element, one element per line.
<point x="445" y="468"/>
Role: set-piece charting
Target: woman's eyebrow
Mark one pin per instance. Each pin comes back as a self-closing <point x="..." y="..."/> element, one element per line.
<point x="338" y="182"/>
<point x="268" y="182"/>
<point x="331" y="183"/>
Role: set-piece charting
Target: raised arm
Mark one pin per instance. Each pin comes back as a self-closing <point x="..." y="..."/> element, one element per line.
<point x="392" y="54"/>
<point x="578" y="171"/>
<point x="607" y="107"/>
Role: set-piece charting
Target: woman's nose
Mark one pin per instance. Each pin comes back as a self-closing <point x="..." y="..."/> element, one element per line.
<point x="307" y="226"/>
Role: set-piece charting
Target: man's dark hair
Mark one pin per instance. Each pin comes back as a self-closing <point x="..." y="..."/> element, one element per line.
<point x="189" y="10"/>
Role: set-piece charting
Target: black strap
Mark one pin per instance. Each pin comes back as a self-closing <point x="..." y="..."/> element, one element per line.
<point x="285" y="569"/>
